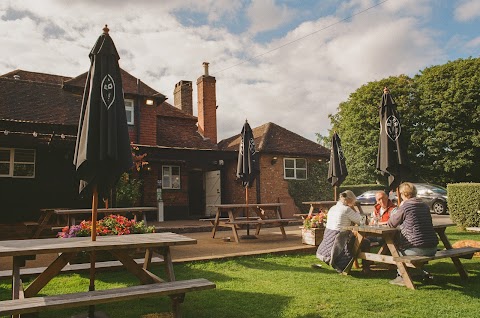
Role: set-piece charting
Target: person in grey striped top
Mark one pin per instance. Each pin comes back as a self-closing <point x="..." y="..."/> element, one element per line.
<point x="417" y="235"/>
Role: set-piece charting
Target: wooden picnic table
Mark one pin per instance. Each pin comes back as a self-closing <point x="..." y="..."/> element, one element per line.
<point x="44" y="220"/>
<point x="264" y="213"/>
<point x="403" y="262"/>
<point x="118" y="246"/>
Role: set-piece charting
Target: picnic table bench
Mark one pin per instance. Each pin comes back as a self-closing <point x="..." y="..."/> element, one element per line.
<point x="175" y="289"/>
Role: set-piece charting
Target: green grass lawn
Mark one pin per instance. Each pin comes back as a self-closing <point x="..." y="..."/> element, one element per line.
<point x="286" y="286"/>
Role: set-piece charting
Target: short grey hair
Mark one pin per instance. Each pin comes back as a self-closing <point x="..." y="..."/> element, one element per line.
<point x="347" y="197"/>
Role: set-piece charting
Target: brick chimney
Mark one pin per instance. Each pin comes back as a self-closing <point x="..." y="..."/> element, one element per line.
<point x="182" y="96"/>
<point x="207" y="105"/>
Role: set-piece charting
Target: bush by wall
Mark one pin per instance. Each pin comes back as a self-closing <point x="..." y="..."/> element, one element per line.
<point x="464" y="203"/>
<point x="315" y="188"/>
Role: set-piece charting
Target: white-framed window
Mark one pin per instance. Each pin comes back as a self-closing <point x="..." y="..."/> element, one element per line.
<point x="129" y="111"/>
<point x="17" y="163"/>
<point x="295" y="168"/>
<point x="170" y="177"/>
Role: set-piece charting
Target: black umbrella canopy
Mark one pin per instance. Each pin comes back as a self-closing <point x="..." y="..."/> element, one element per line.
<point x="247" y="165"/>
<point x="391" y="156"/>
<point x="102" y="151"/>
<point x="337" y="169"/>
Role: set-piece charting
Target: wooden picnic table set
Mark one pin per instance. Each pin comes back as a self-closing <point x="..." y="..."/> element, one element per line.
<point x="263" y="214"/>
<point x="389" y="252"/>
<point x="26" y="300"/>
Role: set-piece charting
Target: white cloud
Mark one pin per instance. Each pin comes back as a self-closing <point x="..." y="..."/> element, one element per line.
<point x="467" y="10"/>
<point x="474" y="43"/>
<point x="296" y="86"/>
<point x="266" y="15"/>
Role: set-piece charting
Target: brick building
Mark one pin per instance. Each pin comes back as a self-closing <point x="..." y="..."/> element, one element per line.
<point x="38" y="122"/>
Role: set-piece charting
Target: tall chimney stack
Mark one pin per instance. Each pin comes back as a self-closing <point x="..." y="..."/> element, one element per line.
<point x="183" y="97"/>
<point x="207" y="105"/>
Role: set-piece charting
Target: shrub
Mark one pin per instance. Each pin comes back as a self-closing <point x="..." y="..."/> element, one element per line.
<point x="128" y="191"/>
<point x="464" y="203"/>
<point x="315" y="188"/>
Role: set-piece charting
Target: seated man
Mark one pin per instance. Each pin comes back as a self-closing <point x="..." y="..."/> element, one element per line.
<point x="417" y="235"/>
<point x="383" y="209"/>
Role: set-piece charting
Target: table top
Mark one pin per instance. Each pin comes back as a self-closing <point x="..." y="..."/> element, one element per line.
<point x="105" y="210"/>
<point x="76" y="244"/>
<point x="244" y="205"/>
<point x="380" y="229"/>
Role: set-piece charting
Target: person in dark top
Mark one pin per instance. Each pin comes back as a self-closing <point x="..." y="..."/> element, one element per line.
<point x="417" y="235"/>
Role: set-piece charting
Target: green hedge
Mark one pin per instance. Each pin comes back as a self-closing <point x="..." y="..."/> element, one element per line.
<point x="360" y="188"/>
<point x="464" y="203"/>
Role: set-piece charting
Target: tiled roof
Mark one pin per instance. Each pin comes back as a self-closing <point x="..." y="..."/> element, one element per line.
<point x="180" y="133"/>
<point x="40" y="98"/>
<point x="36" y="77"/>
<point x="31" y="101"/>
<point x="129" y="83"/>
<point x="272" y="138"/>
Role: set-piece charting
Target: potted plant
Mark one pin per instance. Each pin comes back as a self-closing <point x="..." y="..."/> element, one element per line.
<point x="313" y="228"/>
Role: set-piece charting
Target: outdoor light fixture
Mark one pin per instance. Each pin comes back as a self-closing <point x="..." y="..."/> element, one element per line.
<point x="274" y="160"/>
<point x="149" y="102"/>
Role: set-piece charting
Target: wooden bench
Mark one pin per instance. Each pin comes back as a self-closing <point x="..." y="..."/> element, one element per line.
<point x="176" y="290"/>
<point x="418" y="261"/>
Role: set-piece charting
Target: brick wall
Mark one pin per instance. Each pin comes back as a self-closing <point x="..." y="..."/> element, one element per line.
<point x="148" y="124"/>
<point x="273" y="187"/>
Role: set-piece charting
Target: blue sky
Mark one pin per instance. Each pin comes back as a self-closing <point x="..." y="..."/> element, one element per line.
<point x="288" y="62"/>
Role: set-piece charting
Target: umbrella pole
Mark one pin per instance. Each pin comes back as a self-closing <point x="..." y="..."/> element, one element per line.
<point x="91" y="287"/>
<point x="334" y="193"/>
<point x="246" y="200"/>
<point x="399" y="198"/>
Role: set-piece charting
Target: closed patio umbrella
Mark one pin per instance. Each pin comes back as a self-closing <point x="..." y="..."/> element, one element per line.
<point x="247" y="164"/>
<point x="337" y="168"/>
<point x="391" y="156"/>
<point x="102" y="151"/>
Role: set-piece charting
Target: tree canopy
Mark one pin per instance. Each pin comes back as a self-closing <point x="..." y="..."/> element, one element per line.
<point x="439" y="112"/>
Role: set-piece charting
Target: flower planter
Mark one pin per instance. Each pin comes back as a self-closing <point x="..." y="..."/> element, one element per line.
<point x="312" y="236"/>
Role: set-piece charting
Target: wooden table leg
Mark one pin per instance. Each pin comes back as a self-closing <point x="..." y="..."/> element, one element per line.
<point x="456" y="261"/>
<point x="356" y="249"/>
<point x="402" y="268"/>
<point x="231" y="217"/>
<point x="48" y="274"/>
<point x="215" y="224"/>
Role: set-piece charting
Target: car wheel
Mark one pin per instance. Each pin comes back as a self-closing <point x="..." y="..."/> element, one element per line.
<point x="439" y="207"/>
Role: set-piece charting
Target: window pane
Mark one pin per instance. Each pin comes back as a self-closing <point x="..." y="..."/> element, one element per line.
<point x="166" y="182"/>
<point x="4" y="169"/>
<point x="301" y="174"/>
<point x="23" y="170"/>
<point x="289" y="163"/>
<point x="301" y="163"/>
<point x="175" y="171"/>
<point x="166" y="171"/>
<point x="5" y="155"/>
<point x="24" y="155"/>
<point x="176" y="182"/>
<point x="289" y="173"/>
<point x="129" y="114"/>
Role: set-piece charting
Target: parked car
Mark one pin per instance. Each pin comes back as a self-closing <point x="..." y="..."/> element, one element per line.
<point x="367" y="197"/>
<point x="434" y="196"/>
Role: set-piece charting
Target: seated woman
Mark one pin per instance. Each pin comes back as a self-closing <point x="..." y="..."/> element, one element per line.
<point x="337" y="244"/>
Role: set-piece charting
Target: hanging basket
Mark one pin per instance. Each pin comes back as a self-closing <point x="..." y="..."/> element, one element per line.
<point x="312" y="236"/>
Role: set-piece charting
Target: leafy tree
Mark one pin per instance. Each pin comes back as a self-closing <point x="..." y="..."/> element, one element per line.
<point x="357" y="123"/>
<point x="446" y="138"/>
